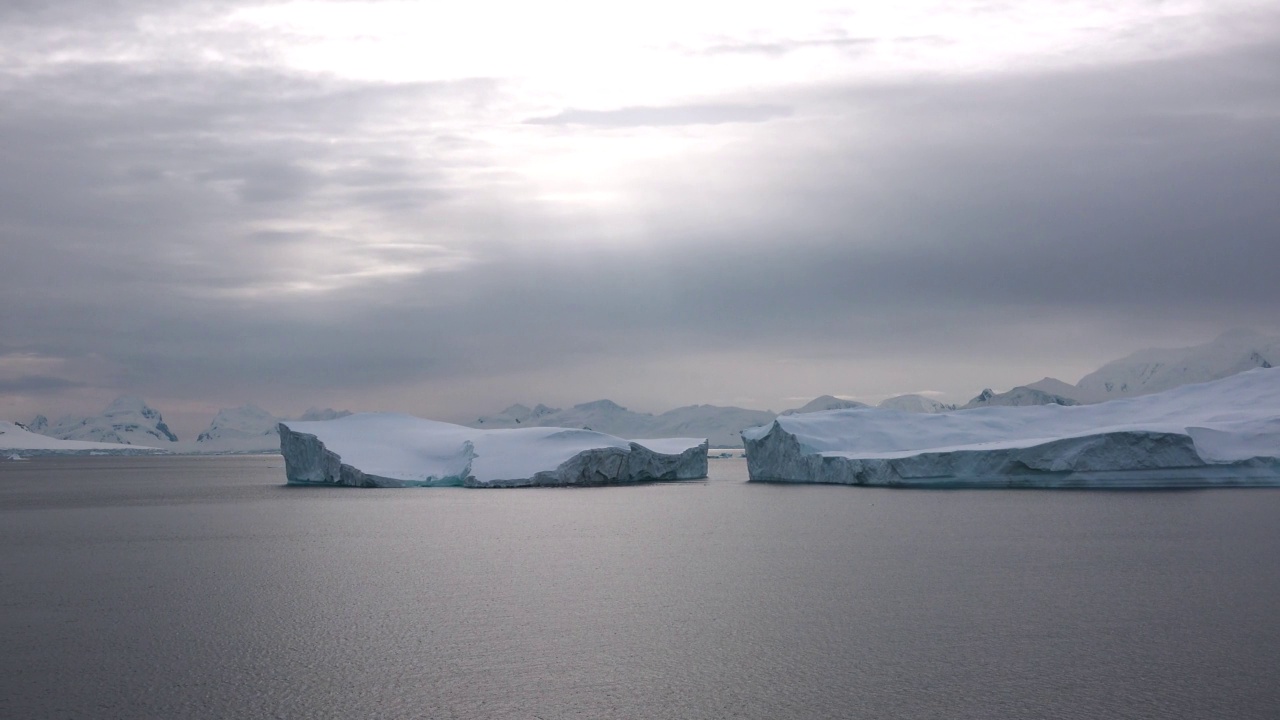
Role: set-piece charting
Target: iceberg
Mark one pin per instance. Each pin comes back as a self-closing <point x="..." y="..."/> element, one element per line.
<point x="1220" y="433"/>
<point x="394" y="450"/>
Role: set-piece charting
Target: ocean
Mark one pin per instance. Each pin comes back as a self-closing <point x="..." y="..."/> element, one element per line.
<point x="204" y="587"/>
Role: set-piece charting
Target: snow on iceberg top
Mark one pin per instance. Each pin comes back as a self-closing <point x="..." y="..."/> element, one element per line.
<point x="1229" y="420"/>
<point x="408" y="448"/>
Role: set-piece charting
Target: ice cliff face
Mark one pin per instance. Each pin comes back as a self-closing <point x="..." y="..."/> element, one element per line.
<point x="1225" y="432"/>
<point x="127" y="420"/>
<point x="390" y="450"/>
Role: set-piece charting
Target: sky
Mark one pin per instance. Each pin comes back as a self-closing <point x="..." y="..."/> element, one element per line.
<point x="446" y="208"/>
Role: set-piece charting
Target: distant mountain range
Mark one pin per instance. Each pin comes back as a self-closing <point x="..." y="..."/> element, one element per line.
<point x="1148" y="371"/>
<point x="720" y="425"/>
<point x="16" y="441"/>
<point x="130" y="421"/>
<point x="1154" y="370"/>
<point x="1144" y="372"/>
<point x="1021" y="396"/>
<point x="126" y="421"/>
<point x="824" y="403"/>
<point x="915" y="404"/>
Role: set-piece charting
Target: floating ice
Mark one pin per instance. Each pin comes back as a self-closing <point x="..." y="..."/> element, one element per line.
<point x="1225" y="432"/>
<point x="392" y="450"/>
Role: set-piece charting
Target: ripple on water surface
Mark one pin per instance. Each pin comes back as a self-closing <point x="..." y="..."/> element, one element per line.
<point x="202" y="587"/>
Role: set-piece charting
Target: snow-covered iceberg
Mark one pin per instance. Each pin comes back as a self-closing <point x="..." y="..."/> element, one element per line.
<point x="1225" y="432"/>
<point x="392" y="450"/>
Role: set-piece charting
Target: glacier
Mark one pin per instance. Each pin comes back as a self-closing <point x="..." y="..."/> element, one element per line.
<point x="1220" y="433"/>
<point x="395" y="450"/>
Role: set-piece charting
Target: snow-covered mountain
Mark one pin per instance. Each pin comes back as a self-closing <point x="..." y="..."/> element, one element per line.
<point x="720" y="425"/>
<point x="16" y="437"/>
<point x="604" y="416"/>
<point x="824" y="403"/>
<point x="1021" y="396"/>
<point x="1054" y="386"/>
<point x="516" y="415"/>
<point x="127" y="421"/>
<point x="130" y="421"/>
<point x="915" y="404"/>
<point x="249" y="429"/>
<point x="1154" y="370"/>
<point x="316" y="414"/>
<point x="241" y="429"/>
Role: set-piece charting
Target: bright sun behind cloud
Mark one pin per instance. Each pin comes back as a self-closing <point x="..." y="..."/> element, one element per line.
<point x="548" y="61"/>
<point x="602" y="54"/>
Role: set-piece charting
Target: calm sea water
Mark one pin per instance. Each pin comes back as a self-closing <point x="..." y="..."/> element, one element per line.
<point x="205" y="588"/>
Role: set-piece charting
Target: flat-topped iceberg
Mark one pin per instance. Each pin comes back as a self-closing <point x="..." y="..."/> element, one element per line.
<point x="1225" y="432"/>
<point x="392" y="450"/>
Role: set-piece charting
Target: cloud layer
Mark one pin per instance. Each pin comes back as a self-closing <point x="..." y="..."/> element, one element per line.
<point x="188" y="216"/>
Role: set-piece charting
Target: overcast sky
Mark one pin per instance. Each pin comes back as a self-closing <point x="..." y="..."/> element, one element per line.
<point x="444" y="208"/>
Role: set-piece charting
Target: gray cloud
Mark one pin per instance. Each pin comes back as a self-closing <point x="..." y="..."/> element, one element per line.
<point x="783" y="47"/>
<point x="37" y="385"/>
<point x="202" y="233"/>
